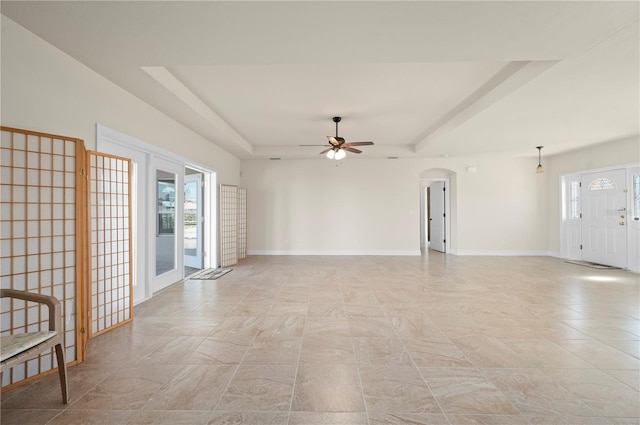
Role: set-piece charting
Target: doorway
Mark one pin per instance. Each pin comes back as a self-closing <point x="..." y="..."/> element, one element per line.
<point x="158" y="182"/>
<point x="604" y="216"/>
<point x="435" y="207"/>
<point x="599" y="216"/>
<point x="437" y="216"/>
<point x="193" y="221"/>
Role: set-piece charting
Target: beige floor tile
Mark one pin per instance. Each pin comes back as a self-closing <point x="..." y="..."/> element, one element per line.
<point x="362" y="326"/>
<point x="92" y="417"/>
<point x="631" y="348"/>
<point x="364" y="310"/>
<point x="601" y="355"/>
<point x="614" y="329"/>
<point x="282" y="327"/>
<point x="419" y="328"/>
<point x="328" y="418"/>
<point x="567" y="420"/>
<point x="27" y="416"/>
<point x="507" y="317"/>
<point x="485" y="351"/>
<point x="605" y="394"/>
<point x="358" y="296"/>
<point x="535" y="394"/>
<point x="384" y="418"/>
<point x="170" y="417"/>
<point x="629" y="377"/>
<point x="239" y="329"/>
<point x="288" y="308"/>
<point x="435" y="354"/>
<point x="46" y="394"/>
<point x="195" y="387"/>
<point x="544" y="353"/>
<point x="326" y="309"/>
<point x="259" y="387"/>
<point x="396" y="389"/>
<point x="381" y="352"/>
<point x="327" y="388"/>
<point x="252" y="308"/>
<point x="293" y="294"/>
<point x="283" y="351"/>
<point x="128" y="388"/>
<point x="213" y="351"/>
<point x="624" y="421"/>
<point x="176" y="350"/>
<point x="327" y="350"/>
<point x="466" y="391"/>
<point x="327" y="327"/>
<point x="249" y="418"/>
<point x="487" y="420"/>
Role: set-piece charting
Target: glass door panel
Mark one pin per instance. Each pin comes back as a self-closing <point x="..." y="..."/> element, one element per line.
<point x="193" y="220"/>
<point x="165" y="222"/>
<point x="167" y="183"/>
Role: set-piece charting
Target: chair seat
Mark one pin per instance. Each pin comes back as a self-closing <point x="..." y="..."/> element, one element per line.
<point x="10" y="345"/>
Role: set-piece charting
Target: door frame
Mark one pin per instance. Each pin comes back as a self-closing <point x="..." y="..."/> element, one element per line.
<point x="199" y="222"/>
<point x="424" y="183"/>
<point x="174" y="275"/>
<point x="114" y="142"/>
<point x="563" y="181"/>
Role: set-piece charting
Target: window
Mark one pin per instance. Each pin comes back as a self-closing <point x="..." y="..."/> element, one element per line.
<point x="602" y="184"/>
<point x="574" y="199"/>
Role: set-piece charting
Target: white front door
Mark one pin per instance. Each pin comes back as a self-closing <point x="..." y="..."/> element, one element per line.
<point x="604" y="218"/>
<point x="193" y="220"/>
<point x="437" y="216"/>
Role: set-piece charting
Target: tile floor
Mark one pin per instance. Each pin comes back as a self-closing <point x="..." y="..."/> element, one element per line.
<point x="365" y="340"/>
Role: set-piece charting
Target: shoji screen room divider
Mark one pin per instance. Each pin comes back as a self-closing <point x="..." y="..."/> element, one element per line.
<point x="233" y="224"/>
<point x="45" y="242"/>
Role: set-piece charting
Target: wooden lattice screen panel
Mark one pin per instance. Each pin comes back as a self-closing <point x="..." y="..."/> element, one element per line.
<point x="41" y="238"/>
<point x="242" y="223"/>
<point x="228" y="225"/>
<point x="111" y="301"/>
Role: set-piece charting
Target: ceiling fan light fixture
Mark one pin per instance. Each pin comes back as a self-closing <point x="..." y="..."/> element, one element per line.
<point x="331" y="154"/>
<point x="340" y="154"/>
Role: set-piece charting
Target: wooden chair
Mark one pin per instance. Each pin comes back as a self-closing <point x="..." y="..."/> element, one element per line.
<point x="18" y="348"/>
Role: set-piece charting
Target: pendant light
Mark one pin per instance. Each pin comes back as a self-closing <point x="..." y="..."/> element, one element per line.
<point x="539" y="169"/>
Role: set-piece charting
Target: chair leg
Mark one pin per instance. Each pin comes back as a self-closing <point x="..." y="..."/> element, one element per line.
<point x="62" y="371"/>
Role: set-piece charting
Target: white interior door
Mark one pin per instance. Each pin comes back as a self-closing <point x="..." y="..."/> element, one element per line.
<point x="633" y="218"/>
<point x="437" y="216"/>
<point x="193" y="220"/>
<point x="604" y="218"/>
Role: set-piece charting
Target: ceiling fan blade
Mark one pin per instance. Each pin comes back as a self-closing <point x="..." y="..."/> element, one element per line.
<point x="333" y="140"/>
<point x="325" y="151"/>
<point x="359" y="143"/>
<point x="354" y="150"/>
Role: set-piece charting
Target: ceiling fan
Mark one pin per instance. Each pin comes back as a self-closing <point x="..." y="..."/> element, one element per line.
<point x="337" y="145"/>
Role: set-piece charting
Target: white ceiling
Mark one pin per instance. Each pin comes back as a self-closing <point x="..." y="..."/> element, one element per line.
<point x="420" y="79"/>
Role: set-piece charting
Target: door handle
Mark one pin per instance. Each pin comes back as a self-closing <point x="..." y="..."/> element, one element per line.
<point x="621" y="223"/>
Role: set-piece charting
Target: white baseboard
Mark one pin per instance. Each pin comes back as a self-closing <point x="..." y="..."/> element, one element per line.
<point x="339" y="252"/>
<point x="506" y="253"/>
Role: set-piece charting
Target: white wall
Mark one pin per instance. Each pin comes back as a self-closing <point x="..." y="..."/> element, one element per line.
<point x="373" y="206"/>
<point x="620" y="152"/>
<point x="43" y="89"/>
